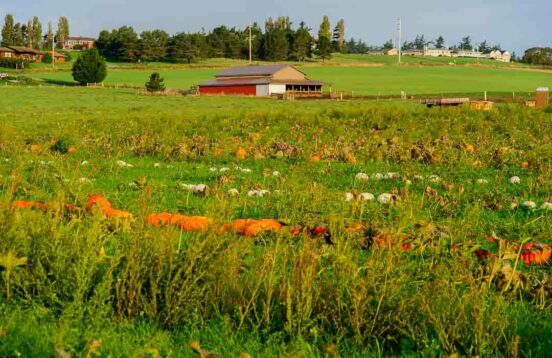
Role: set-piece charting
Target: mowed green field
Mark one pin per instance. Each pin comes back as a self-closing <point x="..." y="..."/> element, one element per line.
<point x="363" y="80"/>
<point x="397" y="230"/>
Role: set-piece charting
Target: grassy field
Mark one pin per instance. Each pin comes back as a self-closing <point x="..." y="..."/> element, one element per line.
<point x="360" y="75"/>
<point x="412" y="272"/>
<point x="371" y="81"/>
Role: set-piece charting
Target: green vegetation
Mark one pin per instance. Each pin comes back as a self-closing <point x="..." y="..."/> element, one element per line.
<point x="89" y="68"/>
<point x="155" y="83"/>
<point x="364" y="80"/>
<point x="75" y="282"/>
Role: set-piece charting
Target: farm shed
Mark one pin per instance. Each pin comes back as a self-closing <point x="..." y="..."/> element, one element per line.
<point x="26" y="53"/>
<point x="262" y="81"/>
<point x="6" y="52"/>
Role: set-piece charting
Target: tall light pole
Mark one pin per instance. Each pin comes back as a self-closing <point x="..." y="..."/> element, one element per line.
<point x="399" y="29"/>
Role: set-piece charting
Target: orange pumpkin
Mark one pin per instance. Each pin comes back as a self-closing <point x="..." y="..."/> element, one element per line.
<point x="159" y="219"/>
<point x="192" y="223"/>
<point x="469" y="148"/>
<point x="536" y="253"/>
<point x="315" y="158"/>
<point x="120" y="214"/>
<point x="525" y="165"/>
<point x="100" y="201"/>
<point x="252" y="227"/>
<point x="237" y="226"/>
<point x="261" y="226"/>
<point x="23" y="204"/>
<point x="71" y="150"/>
<point x="35" y="148"/>
<point x="241" y="153"/>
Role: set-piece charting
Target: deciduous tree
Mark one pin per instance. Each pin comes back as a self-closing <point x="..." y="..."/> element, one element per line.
<point x="339" y="36"/>
<point x="8" y="31"/>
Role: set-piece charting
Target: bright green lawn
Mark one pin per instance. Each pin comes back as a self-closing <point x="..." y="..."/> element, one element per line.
<point x="384" y="80"/>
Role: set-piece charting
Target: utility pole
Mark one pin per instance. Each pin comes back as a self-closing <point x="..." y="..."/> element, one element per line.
<point x="250" y="46"/>
<point x="399" y="28"/>
<point x="53" y="51"/>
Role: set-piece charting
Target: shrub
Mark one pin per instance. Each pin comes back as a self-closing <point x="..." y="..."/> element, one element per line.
<point x="155" y="83"/>
<point x="47" y="58"/>
<point x="13" y="63"/>
<point x="90" y="68"/>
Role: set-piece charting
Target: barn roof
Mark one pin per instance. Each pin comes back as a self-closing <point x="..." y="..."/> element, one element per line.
<point x="6" y="49"/>
<point x="81" y="38"/>
<point x="251" y="81"/>
<point x="253" y="71"/>
<point x="22" y="49"/>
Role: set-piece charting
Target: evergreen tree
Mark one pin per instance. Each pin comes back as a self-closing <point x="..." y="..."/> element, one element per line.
<point x="302" y="43"/>
<point x="440" y="42"/>
<point x="90" y="67"/>
<point x="63" y="31"/>
<point x="276" y="45"/>
<point x="119" y="45"/>
<point x="466" y="43"/>
<point x="8" y="31"/>
<point x="103" y="44"/>
<point x="339" y="36"/>
<point x="484" y="47"/>
<point x="419" y="42"/>
<point x="153" y="45"/>
<point x="183" y="48"/>
<point x="155" y="83"/>
<point x="388" y="45"/>
<point x="324" y="48"/>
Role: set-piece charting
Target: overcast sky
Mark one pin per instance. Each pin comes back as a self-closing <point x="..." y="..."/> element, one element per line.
<point x="515" y="24"/>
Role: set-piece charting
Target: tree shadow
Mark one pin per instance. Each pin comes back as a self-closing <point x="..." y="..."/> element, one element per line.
<point x="60" y="82"/>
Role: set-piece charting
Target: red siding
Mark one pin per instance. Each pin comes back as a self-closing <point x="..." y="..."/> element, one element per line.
<point x="229" y="90"/>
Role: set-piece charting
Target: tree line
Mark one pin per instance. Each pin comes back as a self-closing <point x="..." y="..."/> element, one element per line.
<point x="30" y="34"/>
<point x="466" y="43"/>
<point x="279" y="40"/>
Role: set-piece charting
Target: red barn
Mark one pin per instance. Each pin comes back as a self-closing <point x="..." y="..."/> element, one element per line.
<point x="262" y="81"/>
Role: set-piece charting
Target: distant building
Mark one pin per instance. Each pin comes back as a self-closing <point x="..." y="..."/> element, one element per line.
<point x="21" y="52"/>
<point x="437" y="52"/>
<point x="392" y="52"/>
<point x="262" y="81"/>
<point x="413" y="52"/>
<point x="500" y="56"/>
<point x="468" y="53"/>
<point x="58" y="57"/>
<point x="6" y="52"/>
<point x="375" y="53"/>
<point x="84" y="42"/>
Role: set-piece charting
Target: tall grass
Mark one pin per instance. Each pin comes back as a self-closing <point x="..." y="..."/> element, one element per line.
<point x="85" y="275"/>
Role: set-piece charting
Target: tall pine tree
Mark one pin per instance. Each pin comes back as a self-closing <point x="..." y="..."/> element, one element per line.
<point x="302" y="43"/>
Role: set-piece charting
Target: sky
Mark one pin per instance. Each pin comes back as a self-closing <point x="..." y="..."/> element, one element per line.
<point x="515" y="24"/>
